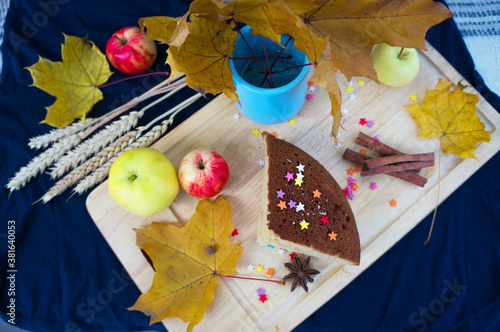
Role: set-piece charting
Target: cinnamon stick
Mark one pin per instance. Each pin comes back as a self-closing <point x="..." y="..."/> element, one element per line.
<point x="397" y="167"/>
<point x="399" y="158"/>
<point x="409" y="176"/>
<point x="377" y="146"/>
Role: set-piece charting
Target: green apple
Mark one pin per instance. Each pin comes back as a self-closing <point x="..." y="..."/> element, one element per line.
<point x="395" y="66"/>
<point x="143" y="181"/>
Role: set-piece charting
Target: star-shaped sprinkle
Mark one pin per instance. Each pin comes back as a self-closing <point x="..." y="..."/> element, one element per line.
<point x="349" y="88"/>
<point x="261" y="292"/>
<point x="348" y="83"/>
<point x="300" y="168"/>
<point x="369" y="124"/>
<point x="376" y="138"/>
<point x="300" y="176"/>
<point x="309" y="96"/>
<point x="346" y="191"/>
<point x="304" y="224"/>
<point x="281" y="251"/>
<point x="300" y="207"/>
<point x="270" y="246"/>
<point x="353" y="96"/>
<point x="393" y="203"/>
<point x="291" y="204"/>
<point x="236" y="116"/>
<point x="250" y="267"/>
<point x="261" y="162"/>
<point x="270" y="271"/>
<point x="311" y="83"/>
<point x="259" y="268"/>
<point x="311" y="89"/>
<point x="362" y="121"/>
<point x="363" y="152"/>
<point x="324" y="219"/>
<point x="235" y="232"/>
<point x="256" y="132"/>
<point x="316" y="193"/>
<point x="354" y="186"/>
<point x="298" y="182"/>
<point x="351" y="180"/>
<point x="357" y="169"/>
<point x="413" y="97"/>
<point x="345" y="111"/>
<point x="335" y="69"/>
<point x="263" y="298"/>
<point x="292" y="256"/>
<point x="292" y="121"/>
<point x="361" y="82"/>
<point x="350" y="171"/>
<point x="373" y="185"/>
<point x="274" y="134"/>
<point x="289" y="176"/>
<point x="282" y="205"/>
<point x="280" y="193"/>
<point x="337" y="146"/>
<point x="332" y="236"/>
<point x="350" y="196"/>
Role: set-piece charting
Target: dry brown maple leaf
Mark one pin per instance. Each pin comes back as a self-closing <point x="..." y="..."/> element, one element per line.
<point x="74" y="81"/>
<point x="452" y="116"/>
<point x="204" y="57"/>
<point x="185" y="269"/>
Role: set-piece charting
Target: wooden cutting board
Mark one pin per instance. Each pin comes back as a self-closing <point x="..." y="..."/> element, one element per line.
<point x="236" y="306"/>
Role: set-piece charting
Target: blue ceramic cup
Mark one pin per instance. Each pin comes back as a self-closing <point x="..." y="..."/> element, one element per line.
<point x="268" y="105"/>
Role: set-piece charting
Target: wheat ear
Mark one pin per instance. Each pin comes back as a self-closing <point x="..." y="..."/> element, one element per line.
<point x="41" y="162"/>
<point x="43" y="141"/>
<point x="95" y="143"/>
<point x="90" y="165"/>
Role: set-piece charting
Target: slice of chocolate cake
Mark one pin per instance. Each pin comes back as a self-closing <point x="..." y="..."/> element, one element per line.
<point x="305" y="210"/>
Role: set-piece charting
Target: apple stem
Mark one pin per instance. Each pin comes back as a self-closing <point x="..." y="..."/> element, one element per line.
<point x="133" y="177"/>
<point x="132" y="77"/>
<point x="281" y="282"/>
<point x="122" y="41"/>
<point x="400" y="52"/>
<point x="200" y="164"/>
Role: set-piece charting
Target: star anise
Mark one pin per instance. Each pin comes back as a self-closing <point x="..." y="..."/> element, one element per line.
<point x="299" y="273"/>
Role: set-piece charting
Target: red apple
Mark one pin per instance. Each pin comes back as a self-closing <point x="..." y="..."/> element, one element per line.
<point x="131" y="51"/>
<point x="203" y="173"/>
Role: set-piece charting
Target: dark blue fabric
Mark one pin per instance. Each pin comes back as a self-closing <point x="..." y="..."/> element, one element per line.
<point x="69" y="279"/>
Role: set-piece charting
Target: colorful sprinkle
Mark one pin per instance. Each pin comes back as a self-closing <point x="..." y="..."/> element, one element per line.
<point x="261" y="162"/>
<point x="300" y="168"/>
<point x="304" y="224"/>
<point x="270" y="246"/>
<point x="349" y="88"/>
<point x="316" y="193"/>
<point x="413" y="97"/>
<point x="361" y="82"/>
<point x="357" y="169"/>
<point x="311" y="83"/>
<point x="353" y="96"/>
<point x="298" y="182"/>
<point x="369" y="124"/>
<point x="292" y="255"/>
<point x="282" y="205"/>
<point x="236" y="116"/>
<point x="351" y="180"/>
<point x="256" y="132"/>
<point x="324" y="219"/>
<point x="289" y="176"/>
<point x="263" y="298"/>
<point x="350" y="196"/>
<point x="270" y="271"/>
<point x="350" y="171"/>
<point x="280" y="193"/>
<point x="346" y="191"/>
<point x="259" y="268"/>
<point x="235" y="232"/>
<point x="281" y="251"/>
<point x="363" y="152"/>
<point x="291" y="204"/>
<point x="362" y="121"/>
<point x="393" y="203"/>
<point x="332" y="236"/>
<point x="373" y="185"/>
<point x="345" y="111"/>
<point x="299" y="207"/>
<point x="250" y="267"/>
<point x="260" y="291"/>
<point x="309" y="96"/>
<point x="354" y="187"/>
<point x="292" y="121"/>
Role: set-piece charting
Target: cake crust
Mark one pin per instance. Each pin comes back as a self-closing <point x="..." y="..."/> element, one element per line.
<point x="303" y="205"/>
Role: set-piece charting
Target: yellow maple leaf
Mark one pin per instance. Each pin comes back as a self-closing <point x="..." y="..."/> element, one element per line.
<point x="451" y="115"/>
<point x="74" y="81"/>
<point x="187" y="261"/>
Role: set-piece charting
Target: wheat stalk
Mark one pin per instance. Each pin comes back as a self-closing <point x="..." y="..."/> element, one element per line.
<point x="40" y="163"/>
<point x="95" y="143"/>
<point x="43" y="141"/>
<point x="91" y="164"/>
<point x="98" y="175"/>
